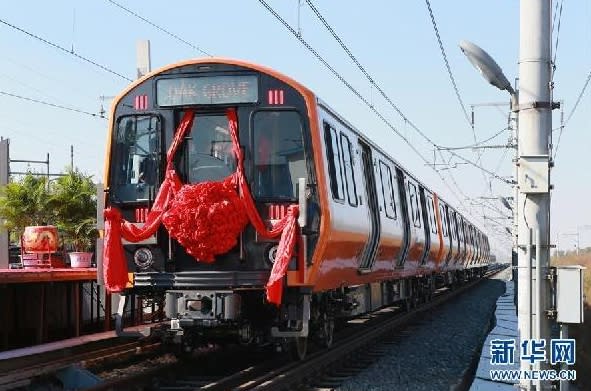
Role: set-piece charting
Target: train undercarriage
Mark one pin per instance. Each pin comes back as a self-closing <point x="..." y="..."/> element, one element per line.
<point x="201" y="316"/>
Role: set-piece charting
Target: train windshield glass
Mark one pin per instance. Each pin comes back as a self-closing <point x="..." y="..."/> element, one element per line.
<point x="279" y="158"/>
<point x="137" y="158"/>
<point x="209" y="149"/>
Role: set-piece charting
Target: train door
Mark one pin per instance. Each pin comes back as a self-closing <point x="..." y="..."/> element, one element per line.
<point x="426" y="225"/>
<point x="370" y="249"/>
<point x="405" y="216"/>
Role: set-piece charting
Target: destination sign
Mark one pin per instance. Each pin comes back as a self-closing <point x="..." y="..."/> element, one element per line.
<point x="207" y="90"/>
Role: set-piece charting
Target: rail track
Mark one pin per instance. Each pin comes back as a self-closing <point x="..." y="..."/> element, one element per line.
<point x="22" y="371"/>
<point x="321" y="369"/>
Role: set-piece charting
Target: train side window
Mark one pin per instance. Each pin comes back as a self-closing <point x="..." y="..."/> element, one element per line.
<point x="414" y="205"/>
<point x="335" y="169"/>
<point x="348" y="168"/>
<point x="387" y="190"/>
<point x="431" y="212"/>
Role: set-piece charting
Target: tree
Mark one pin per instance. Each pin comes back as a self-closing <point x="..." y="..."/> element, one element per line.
<point x="73" y="200"/>
<point x="24" y="203"/>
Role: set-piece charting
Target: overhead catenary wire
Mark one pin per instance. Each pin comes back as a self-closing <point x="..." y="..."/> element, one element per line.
<point x="448" y="67"/>
<point x="564" y="124"/>
<point x="371" y="79"/>
<point x="388" y="99"/>
<point x="361" y="68"/>
<point x="365" y="101"/>
<point x="572" y="112"/>
<point x="63" y="49"/>
<point x="162" y="29"/>
<point x="557" y="35"/>
<point x="343" y="80"/>
<point x="477" y="153"/>
<point x="54" y="105"/>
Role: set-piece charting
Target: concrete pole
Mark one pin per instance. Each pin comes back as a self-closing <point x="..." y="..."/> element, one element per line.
<point x="535" y="123"/>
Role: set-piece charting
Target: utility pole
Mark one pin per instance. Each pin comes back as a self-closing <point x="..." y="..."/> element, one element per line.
<point x="535" y="127"/>
<point x="4" y="177"/>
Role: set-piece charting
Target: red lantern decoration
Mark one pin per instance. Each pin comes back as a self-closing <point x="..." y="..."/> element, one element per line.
<point x="40" y="239"/>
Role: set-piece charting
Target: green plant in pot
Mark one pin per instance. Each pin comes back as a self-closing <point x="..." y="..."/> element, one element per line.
<point x="73" y="201"/>
<point x="82" y="239"/>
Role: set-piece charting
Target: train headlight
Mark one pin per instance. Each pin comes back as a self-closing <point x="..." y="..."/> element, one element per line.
<point x="272" y="254"/>
<point x="143" y="258"/>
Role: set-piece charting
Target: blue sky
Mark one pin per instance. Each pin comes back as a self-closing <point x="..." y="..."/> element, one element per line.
<point x="394" y="40"/>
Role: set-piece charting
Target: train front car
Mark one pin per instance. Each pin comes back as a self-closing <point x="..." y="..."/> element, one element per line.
<point x="221" y="294"/>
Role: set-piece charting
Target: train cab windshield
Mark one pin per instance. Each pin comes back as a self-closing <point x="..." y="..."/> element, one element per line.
<point x="137" y="158"/>
<point x="208" y="151"/>
<point x="279" y="158"/>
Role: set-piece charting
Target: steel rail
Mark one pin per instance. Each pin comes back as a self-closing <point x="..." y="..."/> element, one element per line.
<point x="297" y="373"/>
<point x="21" y="372"/>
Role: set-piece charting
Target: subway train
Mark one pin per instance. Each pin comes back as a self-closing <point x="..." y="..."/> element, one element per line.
<point x="261" y="215"/>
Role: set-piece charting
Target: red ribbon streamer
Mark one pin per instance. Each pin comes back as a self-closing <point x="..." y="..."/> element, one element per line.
<point x="207" y="202"/>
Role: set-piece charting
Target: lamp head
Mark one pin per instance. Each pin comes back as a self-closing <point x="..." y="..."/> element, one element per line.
<point x="487" y="67"/>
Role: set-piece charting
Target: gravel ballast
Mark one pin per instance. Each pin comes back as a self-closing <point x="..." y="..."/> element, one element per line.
<point x="441" y="348"/>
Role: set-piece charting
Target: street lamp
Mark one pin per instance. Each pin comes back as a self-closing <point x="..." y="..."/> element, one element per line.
<point x="488" y="68"/>
<point x="492" y="73"/>
<point x="506" y="203"/>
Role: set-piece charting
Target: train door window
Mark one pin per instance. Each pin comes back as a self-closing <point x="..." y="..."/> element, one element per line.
<point x="335" y="169"/>
<point x="279" y="159"/>
<point x="444" y="220"/>
<point x="431" y="213"/>
<point x="136" y="158"/>
<point x="388" y="190"/>
<point x="414" y="205"/>
<point x="452" y="225"/>
<point x="349" y="169"/>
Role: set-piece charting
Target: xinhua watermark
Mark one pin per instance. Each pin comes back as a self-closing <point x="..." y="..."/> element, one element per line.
<point x="562" y="351"/>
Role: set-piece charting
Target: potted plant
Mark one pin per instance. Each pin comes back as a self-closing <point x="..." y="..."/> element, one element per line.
<point x="84" y="237"/>
<point x="73" y="201"/>
<point x="25" y="214"/>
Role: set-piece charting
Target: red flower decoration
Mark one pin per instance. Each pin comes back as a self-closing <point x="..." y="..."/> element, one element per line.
<point x="206" y="218"/>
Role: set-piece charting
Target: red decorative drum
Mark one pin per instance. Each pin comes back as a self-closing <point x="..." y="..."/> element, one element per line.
<point x="40" y="239"/>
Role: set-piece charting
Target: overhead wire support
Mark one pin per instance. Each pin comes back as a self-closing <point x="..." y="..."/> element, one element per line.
<point x="162" y="29"/>
<point x="492" y="174"/>
<point x="52" y="104"/>
<point x="476" y="144"/>
<point x="474" y="147"/>
<point x="63" y="49"/>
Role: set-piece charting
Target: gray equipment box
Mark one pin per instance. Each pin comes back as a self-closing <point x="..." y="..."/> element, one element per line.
<point x="569" y="294"/>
